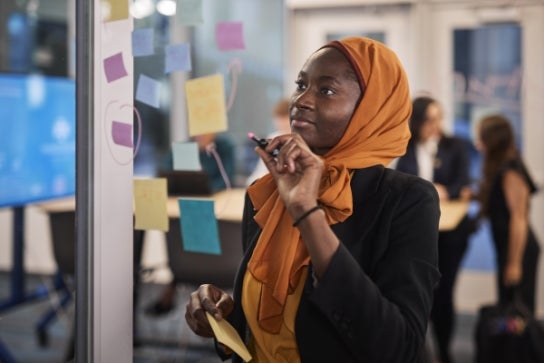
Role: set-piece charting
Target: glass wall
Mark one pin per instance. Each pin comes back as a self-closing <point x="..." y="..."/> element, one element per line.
<point x="252" y="73"/>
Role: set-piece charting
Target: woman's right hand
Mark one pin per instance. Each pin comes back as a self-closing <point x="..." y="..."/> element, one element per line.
<point x="211" y="299"/>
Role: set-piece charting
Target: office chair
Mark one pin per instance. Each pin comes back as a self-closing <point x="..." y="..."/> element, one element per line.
<point x="199" y="268"/>
<point x="62" y="226"/>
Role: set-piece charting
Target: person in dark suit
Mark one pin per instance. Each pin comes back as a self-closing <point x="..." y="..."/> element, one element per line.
<point x="340" y="251"/>
<point x="443" y="160"/>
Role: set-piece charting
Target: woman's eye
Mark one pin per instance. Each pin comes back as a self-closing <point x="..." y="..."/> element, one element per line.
<point x="300" y="85"/>
<point x="327" y="91"/>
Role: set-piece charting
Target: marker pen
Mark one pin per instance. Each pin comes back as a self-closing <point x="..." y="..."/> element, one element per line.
<point x="262" y="143"/>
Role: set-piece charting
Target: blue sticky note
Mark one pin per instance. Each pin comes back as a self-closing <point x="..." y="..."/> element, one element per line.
<point x="148" y="91"/>
<point x="185" y="156"/>
<point x="142" y="42"/>
<point x="177" y="58"/>
<point x="199" y="231"/>
<point x="189" y="12"/>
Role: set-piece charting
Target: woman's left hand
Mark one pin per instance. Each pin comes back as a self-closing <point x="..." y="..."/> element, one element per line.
<point x="512" y="274"/>
<point x="296" y="169"/>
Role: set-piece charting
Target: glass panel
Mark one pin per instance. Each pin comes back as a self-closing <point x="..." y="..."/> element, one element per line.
<point x="487" y="66"/>
<point x="260" y="78"/>
<point x="379" y="36"/>
<point x="487" y="79"/>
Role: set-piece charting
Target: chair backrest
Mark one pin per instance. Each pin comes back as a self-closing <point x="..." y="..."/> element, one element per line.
<point x="63" y="237"/>
<point x="199" y="268"/>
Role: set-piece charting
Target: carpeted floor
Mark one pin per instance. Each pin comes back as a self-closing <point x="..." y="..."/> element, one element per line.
<point x="164" y="339"/>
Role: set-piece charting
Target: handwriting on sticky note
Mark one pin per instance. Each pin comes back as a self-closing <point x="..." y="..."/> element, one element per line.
<point x="229" y="36"/>
<point x="150" y="199"/>
<point x="189" y="12"/>
<point x="206" y="105"/>
<point x="227" y="335"/>
<point x="199" y="230"/>
<point x="114" y="67"/>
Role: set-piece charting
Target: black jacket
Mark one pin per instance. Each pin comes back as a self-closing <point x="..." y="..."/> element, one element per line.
<point x="451" y="164"/>
<point x="372" y="303"/>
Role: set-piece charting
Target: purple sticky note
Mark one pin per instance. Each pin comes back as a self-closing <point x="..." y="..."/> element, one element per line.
<point x="121" y="133"/>
<point x="229" y="36"/>
<point x="114" y="67"/>
<point x="142" y="42"/>
<point x="177" y="58"/>
<point x="148" y="91"/>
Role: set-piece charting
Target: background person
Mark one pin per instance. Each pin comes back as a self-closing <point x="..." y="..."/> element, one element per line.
<point x="504" y="194"/>
<point x="442" y="160"/>
<point x="334" y="270"/>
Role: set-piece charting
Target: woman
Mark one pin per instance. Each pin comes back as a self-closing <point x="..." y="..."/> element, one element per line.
<point x="443" y="160"/>
<point x="334" y="270"/>
<point x="504" y="195"/>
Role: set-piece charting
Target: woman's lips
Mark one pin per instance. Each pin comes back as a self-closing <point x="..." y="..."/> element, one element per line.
<point x="296" y="122"/>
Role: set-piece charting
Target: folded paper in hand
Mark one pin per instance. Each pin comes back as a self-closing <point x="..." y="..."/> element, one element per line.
<point x="227" y="335"/>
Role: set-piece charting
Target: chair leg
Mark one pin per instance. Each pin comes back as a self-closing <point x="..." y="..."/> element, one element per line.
<point x="50" y="315"/>
<point x="5" y="355"/>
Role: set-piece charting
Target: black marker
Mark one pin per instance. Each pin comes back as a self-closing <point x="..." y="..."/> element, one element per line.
<point x="262" y="143"/>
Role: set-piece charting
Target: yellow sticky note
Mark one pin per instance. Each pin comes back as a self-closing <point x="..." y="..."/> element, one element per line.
<point x="206" y="105"/>
<point x="150" y="198"/>
<point x="227" y="335"/>
<point x="113" y="10"/>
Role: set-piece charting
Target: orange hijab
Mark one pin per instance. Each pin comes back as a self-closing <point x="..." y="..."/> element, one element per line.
<point x="377" y="133"/>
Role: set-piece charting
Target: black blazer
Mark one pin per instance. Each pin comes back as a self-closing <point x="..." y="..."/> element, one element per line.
<point x="451" y="166"/>
<point x="372" y="303"/>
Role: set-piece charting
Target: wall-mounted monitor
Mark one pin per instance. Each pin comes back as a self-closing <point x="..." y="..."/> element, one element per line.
<point x="37" y="138"/>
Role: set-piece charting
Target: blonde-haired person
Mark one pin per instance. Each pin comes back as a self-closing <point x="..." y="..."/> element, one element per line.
<point x="282" y="125"/>
<point x="505" y="191"/>
<point x="340" y="251"/>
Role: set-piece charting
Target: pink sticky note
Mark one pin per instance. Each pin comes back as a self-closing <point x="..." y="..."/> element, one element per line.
<point x="121" y="133"/>
<point x="114" y="67"/>
<point x="229" y="36"/>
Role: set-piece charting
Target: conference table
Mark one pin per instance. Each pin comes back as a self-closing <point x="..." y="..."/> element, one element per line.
<point x="228" y="205"/>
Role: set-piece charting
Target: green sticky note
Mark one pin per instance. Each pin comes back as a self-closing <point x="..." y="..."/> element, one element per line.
<point x="199" y="231"/>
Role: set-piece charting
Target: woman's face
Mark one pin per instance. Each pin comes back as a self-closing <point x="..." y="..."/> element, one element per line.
<point x="326" y="95"/>
<point x="431" y="128"/>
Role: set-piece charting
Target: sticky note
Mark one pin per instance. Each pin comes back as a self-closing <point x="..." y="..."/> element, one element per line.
<point x="229" y="36"/>
<point x="114" y="10"/>
<point x="121" y="133"/>
<point x="189" y="12"/>
<point x="150" y="198"/>
<point x="177" y="58"/>
<point x="142" y="42"/>
<point x="199" y="231"/>
<point x="148" y="91"/>
<point x="227" y="335"/>
<point x="114" y="67"/>
<point x="185" y="156"/>
<point x="206" y="105"/>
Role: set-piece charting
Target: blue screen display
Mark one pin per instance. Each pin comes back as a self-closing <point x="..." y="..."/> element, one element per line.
<point x="37" y="138"/>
